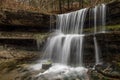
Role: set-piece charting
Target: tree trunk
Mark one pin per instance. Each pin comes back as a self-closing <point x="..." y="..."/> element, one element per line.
<point x="81" y="3"/>
<point x="60" y="6"/>
<point x="68" y="1"/>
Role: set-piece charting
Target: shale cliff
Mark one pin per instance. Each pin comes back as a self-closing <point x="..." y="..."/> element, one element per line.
<point x="23" y="35"/>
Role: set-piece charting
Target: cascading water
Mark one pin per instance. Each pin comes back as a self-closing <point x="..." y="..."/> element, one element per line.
<point x="103" y="17"/>
<point x="99" y="18"/>
<point x="99" y="21"/>
<point x="97" y="58"/>
<point x="65" y="47"/>
<point x="68" y="39"/>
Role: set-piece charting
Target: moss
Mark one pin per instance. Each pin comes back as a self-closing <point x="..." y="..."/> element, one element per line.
<point x="113" y="28"/>
<point x="108" y="28"/>
<point x="104" y="78"/>
<point x="40" y="36"/>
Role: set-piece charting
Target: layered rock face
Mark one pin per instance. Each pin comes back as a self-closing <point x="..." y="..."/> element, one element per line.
<point x="22" y="29"/>
<point x="108" y="44"/>
<point x="21" y="33"/>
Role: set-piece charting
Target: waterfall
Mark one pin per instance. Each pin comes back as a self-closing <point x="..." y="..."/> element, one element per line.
<point x="99" y="21"/>
<point x="99" y="18"/>
<point x="68" y="39"/>
<point x="103" y="17"/>
<point x="65" y="45"/>
<point x="72" y="23"/>
<point x="97" y="59"/>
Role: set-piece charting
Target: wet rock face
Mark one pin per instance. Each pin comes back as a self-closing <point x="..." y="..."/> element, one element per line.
<point x="105" y="71"/>
<point x="113" y="13"/>
<point x="109" y="48"/>
<point x="110" y="45"/>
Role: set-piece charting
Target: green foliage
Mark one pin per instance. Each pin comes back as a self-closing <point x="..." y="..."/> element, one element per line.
<point x="108" y="28"/>
<point x="113" y="28"/>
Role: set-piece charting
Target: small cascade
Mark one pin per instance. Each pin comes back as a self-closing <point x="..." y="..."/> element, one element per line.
<point x="99" y="18"/>
<point x="95" y="19"/>
<point x="103" y="18"/>
<point x="99" y="21"/>
<point x="72" y="23"/>
<point x="63" y="47"/>
<point x="97" y="59"/>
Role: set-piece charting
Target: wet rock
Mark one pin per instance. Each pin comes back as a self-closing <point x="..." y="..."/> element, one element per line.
<point x="46" y="65"/>
<point x="105" y="71"/>
<point x="115" y="73"/>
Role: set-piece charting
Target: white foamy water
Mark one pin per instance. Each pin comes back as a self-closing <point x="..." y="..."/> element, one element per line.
<point x="58" y="71"/>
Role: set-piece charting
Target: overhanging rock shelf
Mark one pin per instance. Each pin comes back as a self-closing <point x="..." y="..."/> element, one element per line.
<point x="25" y="22"/>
